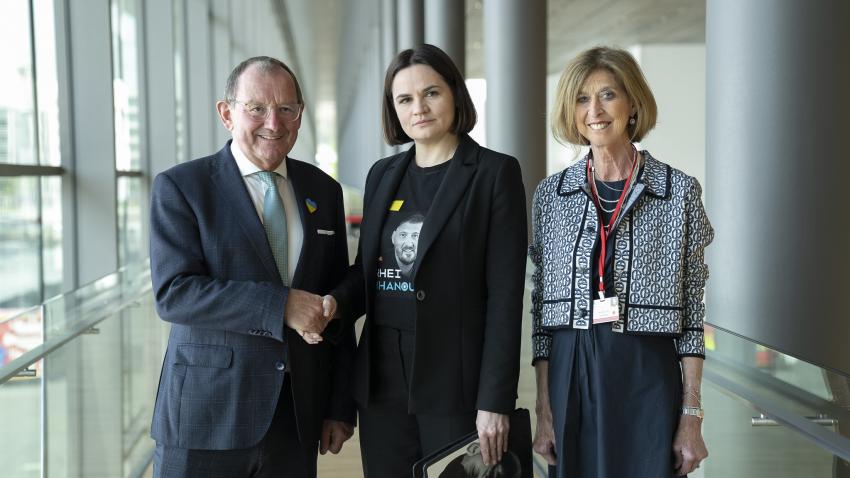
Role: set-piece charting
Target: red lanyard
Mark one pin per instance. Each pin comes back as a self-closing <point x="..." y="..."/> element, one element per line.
<point x="603" y="228"/>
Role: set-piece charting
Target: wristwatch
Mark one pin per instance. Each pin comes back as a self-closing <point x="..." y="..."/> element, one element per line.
<point x="694" y="411"/>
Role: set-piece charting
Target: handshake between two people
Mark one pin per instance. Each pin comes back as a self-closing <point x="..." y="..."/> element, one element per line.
<point x="309" y="314"/>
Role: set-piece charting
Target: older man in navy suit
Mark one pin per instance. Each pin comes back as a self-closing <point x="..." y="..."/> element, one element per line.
<point x="243" y="245"/>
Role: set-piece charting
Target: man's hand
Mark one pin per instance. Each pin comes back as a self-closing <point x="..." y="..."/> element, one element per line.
<point x="329" y="312"/>
<point x="492" y="435"/>
<point x="334" y="434"/>
<point x="305" y="314"/>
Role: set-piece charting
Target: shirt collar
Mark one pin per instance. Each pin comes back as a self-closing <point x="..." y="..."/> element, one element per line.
<point x="655" y="175"/>
<point x="246" y="167"/>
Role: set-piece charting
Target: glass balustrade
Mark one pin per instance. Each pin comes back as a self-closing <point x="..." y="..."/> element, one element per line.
<point x="77" y="398"/>
<point x="769" y="414"/>
<point x="79" y="375"/>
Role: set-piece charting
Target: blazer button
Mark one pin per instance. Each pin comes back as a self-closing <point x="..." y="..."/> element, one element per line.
<point x="280" y="366"/>
<point x="420" y="295"/>
<point x="582" y="312"/>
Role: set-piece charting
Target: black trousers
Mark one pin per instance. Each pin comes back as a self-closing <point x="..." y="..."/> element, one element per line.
<point x="391" y="439"/>
<point x="278" y="455"/>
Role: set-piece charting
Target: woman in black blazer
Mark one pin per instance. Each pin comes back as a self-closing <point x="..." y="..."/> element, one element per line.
<point x="440" y="274"/>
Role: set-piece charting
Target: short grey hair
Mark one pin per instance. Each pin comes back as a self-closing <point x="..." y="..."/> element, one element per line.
<point x="266" y="64"/>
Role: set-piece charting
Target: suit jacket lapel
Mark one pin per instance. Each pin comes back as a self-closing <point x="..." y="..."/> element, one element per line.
<point x="298" y="187"/>
<point x="460" y="172"/>
<point x="378" y="209"/>
<point x="229" y="183"/>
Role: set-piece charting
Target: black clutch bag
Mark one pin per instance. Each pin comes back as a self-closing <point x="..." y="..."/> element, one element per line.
<point x="462" y="459"/>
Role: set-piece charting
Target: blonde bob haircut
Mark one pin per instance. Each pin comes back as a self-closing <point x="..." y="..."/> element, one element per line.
<point x="628" y="74"/>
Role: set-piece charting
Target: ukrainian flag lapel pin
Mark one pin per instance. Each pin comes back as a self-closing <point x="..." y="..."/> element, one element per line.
<point x="311" y="205"/>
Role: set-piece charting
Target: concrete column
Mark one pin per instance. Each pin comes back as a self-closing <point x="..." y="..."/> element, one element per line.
<point x="445" y="27"/>
<point x="91" y="443"/>
<point x="389" y="49"/>
<point x="222" y="59"/>
<point x="411" y="23"/>
<point x="360" y="80"/>
<point x="776" y="173"/>
<point x="515" y="70"/>
<point x="388" y="31"/>
<point x="94" y="148"/>
<point x="201" y="96"/>
<point x="162" y="141"/>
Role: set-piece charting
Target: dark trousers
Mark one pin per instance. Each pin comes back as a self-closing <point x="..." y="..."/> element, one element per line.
<point x="277" y="455"/>
<point x="391" y="439"/>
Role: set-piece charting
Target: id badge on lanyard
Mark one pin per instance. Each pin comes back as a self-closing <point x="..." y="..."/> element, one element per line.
<point x="607" y="309"/>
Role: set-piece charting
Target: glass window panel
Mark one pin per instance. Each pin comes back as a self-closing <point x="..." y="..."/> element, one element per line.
<point x="46" y="83"/>
<point x="181" y="126"/>
<point x="125" y="49"/>
<point x="131" y="241"/>
<point x="20" y="244"/>
<point x="17" y="138"/>
<point x="20" y="414"/>
<point x="51" y="235"/>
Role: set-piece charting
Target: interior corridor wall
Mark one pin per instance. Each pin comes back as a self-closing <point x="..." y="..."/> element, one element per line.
<point x="676" y="74"/>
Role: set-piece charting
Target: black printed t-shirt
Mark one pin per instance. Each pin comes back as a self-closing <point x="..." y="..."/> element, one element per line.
<point x="395" y="294"/>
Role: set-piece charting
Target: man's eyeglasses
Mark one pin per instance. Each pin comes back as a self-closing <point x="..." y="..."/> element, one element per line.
<point x="260" y="112"/>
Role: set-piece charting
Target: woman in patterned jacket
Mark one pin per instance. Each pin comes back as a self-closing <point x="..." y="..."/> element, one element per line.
<point x="618" y="341"/>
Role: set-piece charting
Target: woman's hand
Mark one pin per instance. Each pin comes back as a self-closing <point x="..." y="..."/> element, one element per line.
<point x="329" y="310"/>
<point x="492" y="435"/>
<point x="688" y="447"/>
<point x="544" y="436"/>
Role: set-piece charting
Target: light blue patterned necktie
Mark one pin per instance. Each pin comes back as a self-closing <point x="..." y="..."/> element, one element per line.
<point x="274" y="221"/>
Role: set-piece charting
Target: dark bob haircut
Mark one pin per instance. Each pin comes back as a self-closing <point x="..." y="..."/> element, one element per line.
<point x="429" y="55"/>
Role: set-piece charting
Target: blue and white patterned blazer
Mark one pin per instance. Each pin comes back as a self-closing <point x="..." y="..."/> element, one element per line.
<point x="659" y="266"/>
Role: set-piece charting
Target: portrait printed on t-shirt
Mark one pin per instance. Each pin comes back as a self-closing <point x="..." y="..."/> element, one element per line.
<point x="395" y="269"/>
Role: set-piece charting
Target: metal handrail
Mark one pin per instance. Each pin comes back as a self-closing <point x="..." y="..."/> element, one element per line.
<point x="816" y="433"/>
<point x="773" y="411"/>
<point x="787" y="390"/>
<point x="92" y="311"/>
<point x="12" y="368"/>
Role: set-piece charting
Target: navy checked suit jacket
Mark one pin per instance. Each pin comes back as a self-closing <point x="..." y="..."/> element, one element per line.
<point x="216" y="282"/>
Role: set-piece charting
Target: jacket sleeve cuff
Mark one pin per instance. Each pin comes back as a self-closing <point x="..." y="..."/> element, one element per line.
<point x="342" y="411"/>
<point x="542" y="345"/>
<point x="691" y="343"/>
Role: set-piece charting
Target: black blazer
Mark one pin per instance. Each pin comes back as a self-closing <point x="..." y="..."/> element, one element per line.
<point x="216" y="281"/>
<point x="469" y="276"/>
